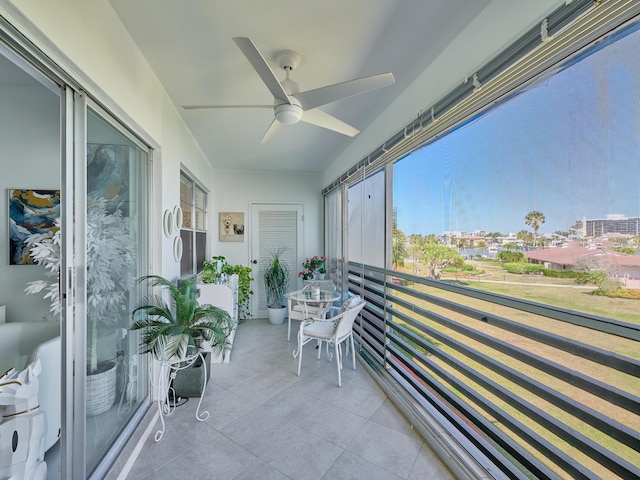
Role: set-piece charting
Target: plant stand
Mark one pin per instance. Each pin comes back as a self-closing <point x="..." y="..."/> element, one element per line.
<point x="190" y="381"/>
<point x="167" y="394"/>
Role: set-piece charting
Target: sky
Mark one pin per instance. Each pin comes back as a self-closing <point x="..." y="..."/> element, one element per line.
<point x="569" y="147"/>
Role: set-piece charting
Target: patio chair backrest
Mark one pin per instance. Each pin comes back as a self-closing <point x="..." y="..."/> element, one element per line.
<point x="349" y="302"/>
<point x="344" y="323"/>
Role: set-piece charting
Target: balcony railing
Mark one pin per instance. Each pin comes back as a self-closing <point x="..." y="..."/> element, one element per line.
<point x="542" y="392"/>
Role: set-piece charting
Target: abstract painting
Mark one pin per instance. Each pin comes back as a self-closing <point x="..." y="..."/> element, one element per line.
<point x="30" y="211"/>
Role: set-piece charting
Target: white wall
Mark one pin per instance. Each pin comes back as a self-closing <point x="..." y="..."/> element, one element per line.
<point x="29" y="158"/>
<point x="233" y="191"/>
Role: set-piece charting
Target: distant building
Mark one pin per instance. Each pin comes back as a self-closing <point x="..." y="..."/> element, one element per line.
<point x="574" y="256"/>
<point x="613" y="224"/>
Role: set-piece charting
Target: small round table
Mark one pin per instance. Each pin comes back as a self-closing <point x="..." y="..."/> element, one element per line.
<point x="319" y="299"/>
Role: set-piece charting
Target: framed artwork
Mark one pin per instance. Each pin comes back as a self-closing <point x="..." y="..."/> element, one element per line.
<point x="30" y="211"/>
<point x="231" y="225"/>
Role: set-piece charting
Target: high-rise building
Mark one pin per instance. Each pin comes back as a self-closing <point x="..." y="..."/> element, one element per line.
<point x="613" y="223"/>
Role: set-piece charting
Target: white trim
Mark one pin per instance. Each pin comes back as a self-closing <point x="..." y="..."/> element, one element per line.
<point x="135" y="452"/>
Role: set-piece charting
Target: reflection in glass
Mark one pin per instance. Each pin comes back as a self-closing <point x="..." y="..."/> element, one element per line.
<point x="116" y="228"/>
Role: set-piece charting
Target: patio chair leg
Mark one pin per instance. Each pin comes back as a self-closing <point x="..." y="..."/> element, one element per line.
<point x="353" y="351"/>
<point x="299" y="353"/>
<point x="319" y="347"/>
<point x="289" y="329"/>
<point x="339" y="365"/>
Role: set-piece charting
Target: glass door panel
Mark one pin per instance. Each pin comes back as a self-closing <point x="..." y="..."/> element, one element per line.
<point x="116" y="253"/>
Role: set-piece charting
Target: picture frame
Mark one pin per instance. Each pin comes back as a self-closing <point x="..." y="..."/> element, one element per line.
<point x="231" y="226"/>
<point x="31" y="211"/>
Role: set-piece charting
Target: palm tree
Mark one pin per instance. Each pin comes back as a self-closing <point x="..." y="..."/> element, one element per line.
<point x="534" y="218"/>
<point x="462" y="244"/>
<point x="169" y="330"/>
<point x="398" y="245"/>
<point x="527" y="239"/>
<point x="415" y="240"/>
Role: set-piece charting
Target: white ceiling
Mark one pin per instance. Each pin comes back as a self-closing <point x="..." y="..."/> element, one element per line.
<point x="189" y="45"/>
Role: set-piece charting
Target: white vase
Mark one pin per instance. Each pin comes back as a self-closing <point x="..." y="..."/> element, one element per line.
<point x="320" y="276"/>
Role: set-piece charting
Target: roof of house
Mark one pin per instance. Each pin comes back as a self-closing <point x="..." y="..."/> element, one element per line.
<point x="570" y="255"/>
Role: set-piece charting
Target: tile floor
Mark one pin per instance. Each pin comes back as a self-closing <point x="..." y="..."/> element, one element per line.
<point x="267" y="423"/>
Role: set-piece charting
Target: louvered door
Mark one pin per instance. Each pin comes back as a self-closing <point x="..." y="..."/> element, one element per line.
<point x="274" y="227"/>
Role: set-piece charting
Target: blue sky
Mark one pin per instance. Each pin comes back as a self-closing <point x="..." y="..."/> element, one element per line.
<point x="568" y="147"/>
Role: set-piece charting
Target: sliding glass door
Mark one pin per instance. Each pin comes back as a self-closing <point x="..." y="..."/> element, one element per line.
<point x="116" y="256"/>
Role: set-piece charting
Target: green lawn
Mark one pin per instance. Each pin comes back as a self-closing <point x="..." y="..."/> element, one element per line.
<point x="559" y="292"/>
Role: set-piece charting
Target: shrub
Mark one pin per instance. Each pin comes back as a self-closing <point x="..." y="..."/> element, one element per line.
<point x="549" y="272"/>
<point x="508" y="256"/>
<point x="630" y="293"/>
<point x="523" y="268"/>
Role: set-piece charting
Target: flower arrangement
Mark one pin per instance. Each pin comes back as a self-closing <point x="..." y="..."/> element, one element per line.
<point x="313" y="266"/>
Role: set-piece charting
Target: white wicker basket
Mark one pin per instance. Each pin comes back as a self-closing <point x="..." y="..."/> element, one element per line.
<point x="101" y="390"/>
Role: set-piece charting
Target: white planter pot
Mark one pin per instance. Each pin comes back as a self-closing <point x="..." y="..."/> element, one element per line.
<point x="276" y="315"/>
<point x="101" y="389"/>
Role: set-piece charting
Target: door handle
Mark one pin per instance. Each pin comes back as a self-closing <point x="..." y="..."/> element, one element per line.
<point x="254" y="261"/>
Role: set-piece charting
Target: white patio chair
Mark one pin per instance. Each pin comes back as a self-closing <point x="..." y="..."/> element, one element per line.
<point x="334" y="330"/>
<point x="302" y="312"/>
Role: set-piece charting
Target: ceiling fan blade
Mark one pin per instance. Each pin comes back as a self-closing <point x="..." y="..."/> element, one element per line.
<point x="324" y="120"/>
<point x="321" y="96"/>
<point x="199" y="107"/>
<point x="261" y="66"/>
<point x="273" y="128"/>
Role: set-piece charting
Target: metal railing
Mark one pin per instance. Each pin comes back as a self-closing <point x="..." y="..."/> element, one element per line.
<point x="541" y="391"/>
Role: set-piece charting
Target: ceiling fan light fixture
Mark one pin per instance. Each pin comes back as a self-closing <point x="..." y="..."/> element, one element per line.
<point x="288" y="114"/>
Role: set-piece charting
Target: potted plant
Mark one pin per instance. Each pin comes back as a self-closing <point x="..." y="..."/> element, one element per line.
<point x="313" y="268"/>
<point x="212" y="271"/>
<point x="276" y="273"/>
<point x="110" y="259"/>
<point x="172" y="331"/>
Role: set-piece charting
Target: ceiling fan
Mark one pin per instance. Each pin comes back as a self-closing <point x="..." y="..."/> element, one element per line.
<point x="289" y="104"/>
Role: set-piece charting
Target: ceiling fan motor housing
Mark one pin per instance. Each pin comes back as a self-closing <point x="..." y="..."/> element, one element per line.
<point x="288" y="114"/>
